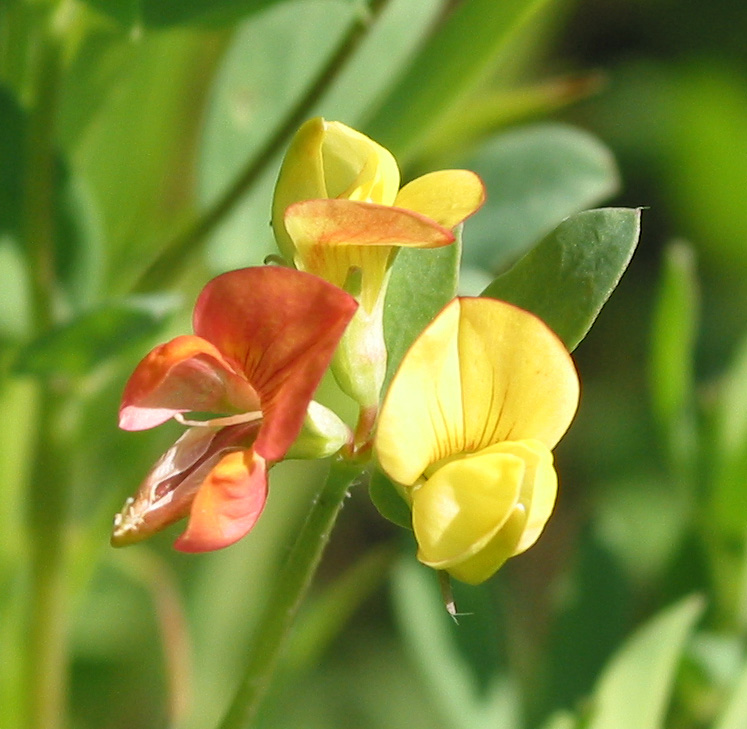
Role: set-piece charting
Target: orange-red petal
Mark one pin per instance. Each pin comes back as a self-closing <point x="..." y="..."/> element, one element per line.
<point x="228" y="503"/>
<point x="184" y="375"/>
<point x="281" y="327"/>
<point x="167" y="493"/>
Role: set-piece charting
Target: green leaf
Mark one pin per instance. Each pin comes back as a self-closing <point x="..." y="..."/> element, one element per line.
<point x="735" y="714"/>
<point x="12" y="144"/>
<point x="561" y="720"/>
<point x="635" y="687"/>
<point x="675" y="327"/>
<point x="535" y="177"/>
<point x="145" y="194"/>
<point x="728" y="509"/>
<point x="428" y="633"/>
<point x="454" y="61"/>
<point x="568" y="276"/>
<point x="76" y="348"/>
<point x="388" y="501"/>
<point x="422" y="283"/>
<point x="165" y="13"/>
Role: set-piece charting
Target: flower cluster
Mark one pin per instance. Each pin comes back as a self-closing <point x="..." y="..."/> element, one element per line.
<point x="466" y="428"/>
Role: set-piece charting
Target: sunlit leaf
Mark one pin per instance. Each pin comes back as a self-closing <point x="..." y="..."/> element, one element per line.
<point x="164" y="13"/>
<point x="735" y="713"/>
<point x="422" y="283"/>
<point x="635" y="687"/>
<point x="535" y="177"/>
<point x="728" y="506"/>
<point x="568" y="276"/>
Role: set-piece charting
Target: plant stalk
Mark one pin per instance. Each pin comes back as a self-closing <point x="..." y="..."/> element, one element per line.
<point x="272" y="631"/>
<point x="45" y="671"/>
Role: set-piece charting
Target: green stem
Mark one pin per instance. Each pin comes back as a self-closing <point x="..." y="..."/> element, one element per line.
<point x="293" y="581"/>
<point x="46" y="668"/>
<point x="46" y="665"/>
<point x="176" y="254"/>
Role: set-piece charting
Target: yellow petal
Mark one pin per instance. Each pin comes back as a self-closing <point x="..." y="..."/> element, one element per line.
<point x="421" y="419"/>
<point x="356" y="167"/>
<point x="446" y="196"/>
<point x="459" y="510"/>
<point x="518" y="380"/>
<point x="481" y="373"/>
<point x="301" y="177"/>
<point x="538" y="490"/>
<point x="485" y="563"/>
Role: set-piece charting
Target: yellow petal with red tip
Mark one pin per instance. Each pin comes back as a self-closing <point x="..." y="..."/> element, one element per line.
<point x="517" y="379"/>
<point x="186" y="374"/>
<point x="353" y="223"/>
<point x="228" y="503"/>
<point x="481" y="373"/>
<point x="446" y="196"/>
<point x="281" y="327"/>
<point x="332" y="237"/>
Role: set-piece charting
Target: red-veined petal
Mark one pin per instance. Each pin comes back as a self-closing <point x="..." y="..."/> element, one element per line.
<point x="281" y="327"/>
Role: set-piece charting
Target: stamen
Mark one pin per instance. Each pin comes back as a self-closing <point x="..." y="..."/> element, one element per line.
<point x="220" y="422"/>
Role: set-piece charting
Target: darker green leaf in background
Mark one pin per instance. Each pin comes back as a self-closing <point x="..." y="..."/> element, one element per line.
<point x="535" y="177"/>
<point x="76" y="348"/>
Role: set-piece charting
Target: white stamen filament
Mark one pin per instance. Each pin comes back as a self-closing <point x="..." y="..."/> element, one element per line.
<point x="220" y="422"/>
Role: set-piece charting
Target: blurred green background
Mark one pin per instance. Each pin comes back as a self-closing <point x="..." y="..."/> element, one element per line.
<point x="136" y="116"/>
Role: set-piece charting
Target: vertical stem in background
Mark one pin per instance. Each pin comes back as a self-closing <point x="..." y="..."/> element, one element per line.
<point x="45" y="671"/>
<point x="46" y="668"/>
<point x="178" y="252"/>
<point x="290" y="588"/>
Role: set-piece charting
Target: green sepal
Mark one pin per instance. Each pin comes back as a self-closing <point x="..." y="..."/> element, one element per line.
<point x="388" y="500"/>
<point x="422" y="282"/>
<point x="323" y="434"/>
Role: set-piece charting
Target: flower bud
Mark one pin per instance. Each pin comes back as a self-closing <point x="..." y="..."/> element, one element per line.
<point x="322" y="434"/>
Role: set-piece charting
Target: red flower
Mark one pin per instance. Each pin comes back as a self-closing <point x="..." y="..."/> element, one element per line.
<point x="263" y="339"/>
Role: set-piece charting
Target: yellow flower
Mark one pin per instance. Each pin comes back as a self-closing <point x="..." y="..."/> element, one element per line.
<point x="467" y="428"/>
<point x="338" y="206"/>
<point x="338" y="210"/>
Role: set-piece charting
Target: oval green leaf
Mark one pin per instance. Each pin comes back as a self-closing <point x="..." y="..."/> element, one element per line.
<point x="570" y="274"/>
